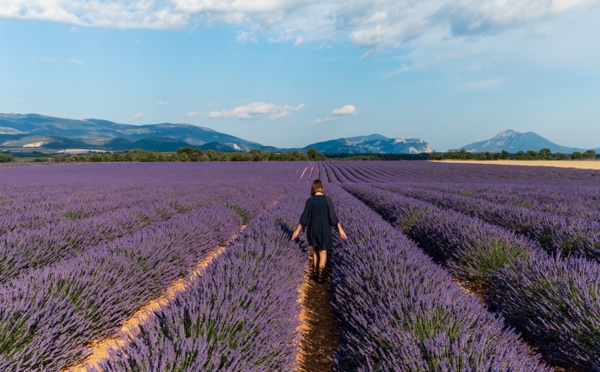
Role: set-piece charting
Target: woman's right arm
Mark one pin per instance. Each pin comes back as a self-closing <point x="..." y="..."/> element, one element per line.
<point x="303" y="220"/>
<point x="297" y="232"/>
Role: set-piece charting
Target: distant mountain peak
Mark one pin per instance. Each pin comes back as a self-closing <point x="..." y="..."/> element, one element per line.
<point x="507" y="133"/>
<point x="513" y="141"/>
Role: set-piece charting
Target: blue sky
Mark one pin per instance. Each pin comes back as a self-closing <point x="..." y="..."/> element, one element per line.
<point x="289" y="73"/>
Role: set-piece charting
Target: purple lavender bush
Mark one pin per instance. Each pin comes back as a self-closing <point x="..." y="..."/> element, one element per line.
<point x="554" y="233"/>
<point x="47" y="315"/>
<point x="398" y="311"/>
<point x="470" y="248"/>
<point x="241" y="313"/>
<point x="555" y="303"/>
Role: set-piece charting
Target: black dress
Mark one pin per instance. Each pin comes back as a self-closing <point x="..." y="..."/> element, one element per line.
<point x="318" y="218"/>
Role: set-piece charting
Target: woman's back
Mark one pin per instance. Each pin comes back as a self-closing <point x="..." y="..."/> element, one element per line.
<point x="318" y="218"/>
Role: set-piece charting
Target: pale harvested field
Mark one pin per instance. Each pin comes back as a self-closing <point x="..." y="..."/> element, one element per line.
<point x="579" y="164"/>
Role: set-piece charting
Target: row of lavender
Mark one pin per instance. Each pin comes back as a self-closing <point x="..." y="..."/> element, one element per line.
<point x="26" y="249"/>
<point x="50" y="314"/>
<point x="397" y="310"/>
<point x="553" y="301"/>
<point x="33" y="197"/>
<point x="574" y="201"/>
<point x="61" y="203"/>
<point x="23" y="248"/>
<point x="241" y="313"/>
<point x="569" y="235"/>
<point x="466" y="174"/>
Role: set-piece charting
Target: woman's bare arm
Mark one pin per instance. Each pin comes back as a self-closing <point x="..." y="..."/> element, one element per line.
<point x="296" y="232"/>
<point x="342" y="233"/>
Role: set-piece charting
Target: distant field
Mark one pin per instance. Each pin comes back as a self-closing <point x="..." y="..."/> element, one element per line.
<point x="579" y="164"/>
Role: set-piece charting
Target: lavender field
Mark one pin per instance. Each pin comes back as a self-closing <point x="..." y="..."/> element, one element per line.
<point x="447" y="267"/>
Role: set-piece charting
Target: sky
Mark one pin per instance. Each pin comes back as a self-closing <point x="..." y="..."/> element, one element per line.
<point x="288" y="73"/>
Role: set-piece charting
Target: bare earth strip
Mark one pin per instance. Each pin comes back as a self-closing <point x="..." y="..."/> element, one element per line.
<point x="129" y="327"/>
<point x="578" y="164"/>
<point x="319" y="332"/>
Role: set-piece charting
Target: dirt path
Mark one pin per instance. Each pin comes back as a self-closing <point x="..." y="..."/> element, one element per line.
<point x="319" y="339"/>
<point x="302" y="175"/>
<point x="130" y="326"/>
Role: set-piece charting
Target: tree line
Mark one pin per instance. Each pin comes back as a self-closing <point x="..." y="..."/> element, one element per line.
<point x="183" y="154"/>
<point x="186" y="154"/>
<point x="543" y="154"/>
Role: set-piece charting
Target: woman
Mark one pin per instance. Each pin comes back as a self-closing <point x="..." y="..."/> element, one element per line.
<point x="318" y="218"/>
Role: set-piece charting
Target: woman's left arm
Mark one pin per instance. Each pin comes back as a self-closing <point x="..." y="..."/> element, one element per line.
<point x="342" y="232"/>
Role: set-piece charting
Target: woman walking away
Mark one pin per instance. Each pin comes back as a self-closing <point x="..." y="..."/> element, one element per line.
<point x="318" y="218"/>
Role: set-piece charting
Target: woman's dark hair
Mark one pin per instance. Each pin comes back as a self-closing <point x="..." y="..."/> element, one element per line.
<point x="317" y="186"/>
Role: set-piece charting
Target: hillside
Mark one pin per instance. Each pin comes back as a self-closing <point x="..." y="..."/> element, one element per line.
<point x="513" y="142"/>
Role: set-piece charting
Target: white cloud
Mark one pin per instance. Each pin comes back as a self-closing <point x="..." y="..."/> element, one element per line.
<point x="138" y="115"/>
<point x="75" y="61"/>
<point x="102" y="13"/>
<point x="372" y="24"/>
<point x="337" y="114"/>
<point x="345" y="110"/>
<point x="194" y="113"/>
<point x="257" y="110"/>
<point x="162" y="103"/>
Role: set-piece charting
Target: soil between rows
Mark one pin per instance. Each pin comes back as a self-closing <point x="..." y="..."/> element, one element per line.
<point x="319" y="340"/>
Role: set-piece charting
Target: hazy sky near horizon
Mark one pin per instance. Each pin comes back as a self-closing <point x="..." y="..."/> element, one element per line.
<point x="288" y="73"/>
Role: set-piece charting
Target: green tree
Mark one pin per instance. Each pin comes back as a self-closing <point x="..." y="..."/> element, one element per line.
<point x="184" y="153"/>
<point x="520" y="155"/>
<point x="139" y="155"/>
<point x="533" y="155"/>
<point x="435" y="156"/>
<point x="589" y="155"/>
<point x="5" y="158"/>
<point x="315" y="155"/>
<point x="95" y="158"/>
<point x="545" y="154"/>
<point x="189" y="154"/>
<point x="257" y="155"/>
<point x="116" y="157"/>
<point x="576" y="155"/>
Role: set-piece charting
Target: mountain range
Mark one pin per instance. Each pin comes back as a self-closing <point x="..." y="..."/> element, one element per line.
<point x="373" y="144"/>
<point x="31" y="131"/>
<point x="46" y="132"/>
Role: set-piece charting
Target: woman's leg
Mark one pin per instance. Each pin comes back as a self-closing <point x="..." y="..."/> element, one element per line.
<point x="315" y="257"/>
<point x="322" y="260"/>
